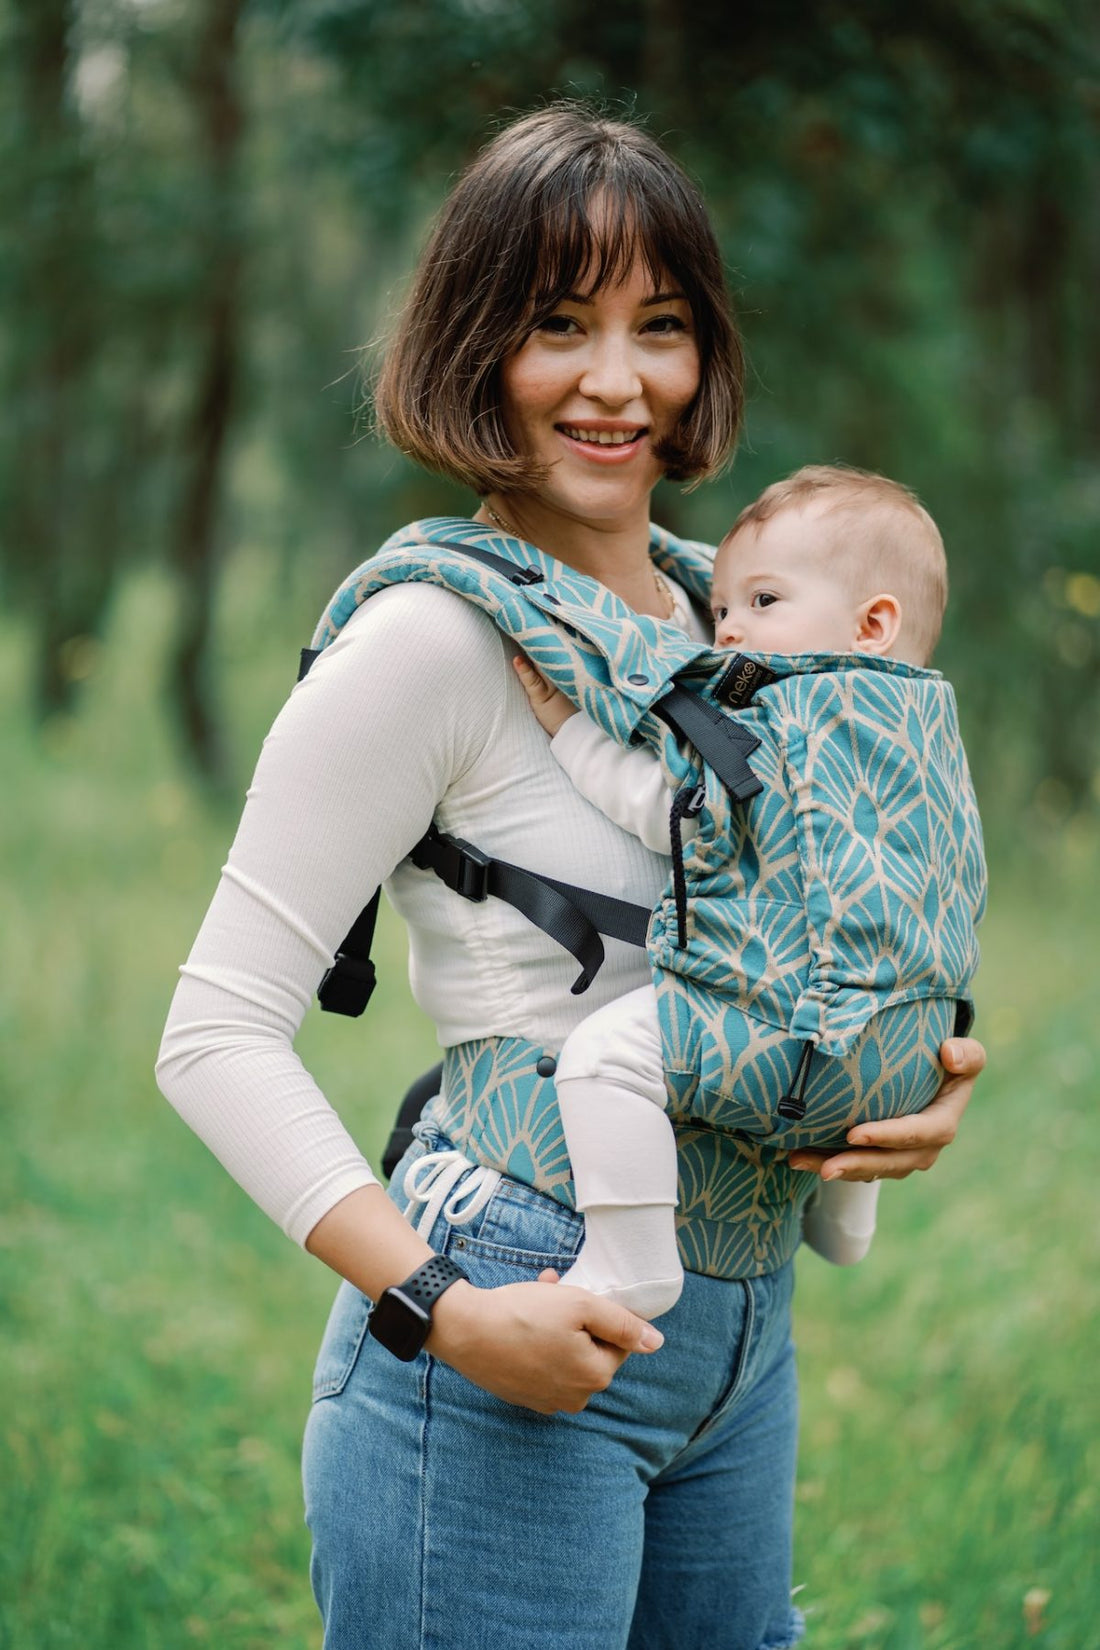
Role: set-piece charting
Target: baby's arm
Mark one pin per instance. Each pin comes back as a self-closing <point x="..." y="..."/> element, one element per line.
<point x="628" y="786"/>
<point x="839" y="1220"/>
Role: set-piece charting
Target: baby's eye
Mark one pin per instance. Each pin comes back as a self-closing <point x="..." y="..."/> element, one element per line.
<point x="764" y="598"/>
<point x="718" y="614"/>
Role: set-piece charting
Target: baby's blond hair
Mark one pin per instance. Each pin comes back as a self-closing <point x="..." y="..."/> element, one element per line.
<point x="885" y="541"/>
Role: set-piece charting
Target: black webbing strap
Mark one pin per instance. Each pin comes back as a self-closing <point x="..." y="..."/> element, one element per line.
<point x="349" y="983"/>
<point x="573" y="917"/>
<point x="496" y="564"/>
<point x="723" y="743"/>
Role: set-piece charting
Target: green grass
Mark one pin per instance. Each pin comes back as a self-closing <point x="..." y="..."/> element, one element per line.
<point x="158" y="1333"/>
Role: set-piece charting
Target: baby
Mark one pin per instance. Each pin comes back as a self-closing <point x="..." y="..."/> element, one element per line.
<point x="832" y="561"/>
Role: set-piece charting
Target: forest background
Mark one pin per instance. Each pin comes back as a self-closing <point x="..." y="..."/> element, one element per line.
<point x="205" y="210"/>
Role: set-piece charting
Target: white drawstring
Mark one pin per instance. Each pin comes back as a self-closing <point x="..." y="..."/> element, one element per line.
<point x="434" y="1181"/>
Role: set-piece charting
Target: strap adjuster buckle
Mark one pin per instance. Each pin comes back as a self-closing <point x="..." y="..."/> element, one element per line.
<point x="471" y="872"/>
<point x="527" y="575"/>
<point x="461" y="866"/>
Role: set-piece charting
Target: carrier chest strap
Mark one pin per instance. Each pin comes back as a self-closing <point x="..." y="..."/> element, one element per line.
<point x="573" y="917"/>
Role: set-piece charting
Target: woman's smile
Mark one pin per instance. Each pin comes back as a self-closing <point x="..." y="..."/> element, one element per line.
<point x="604" y="441"/>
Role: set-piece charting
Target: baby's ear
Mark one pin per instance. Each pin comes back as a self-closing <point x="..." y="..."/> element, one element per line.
<point x="878" y="624"/>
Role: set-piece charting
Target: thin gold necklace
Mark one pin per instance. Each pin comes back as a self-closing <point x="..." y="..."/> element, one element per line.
<point x="663" y="591"/>
<point x="500" y="521"/>
<point x="664" y="595"/>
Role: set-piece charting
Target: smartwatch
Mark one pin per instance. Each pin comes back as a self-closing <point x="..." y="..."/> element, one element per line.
<point x="402" y="1316"/>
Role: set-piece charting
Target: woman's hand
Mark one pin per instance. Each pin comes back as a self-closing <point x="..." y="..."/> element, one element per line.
<point x="893" y="1149"/>
<point x="544" y="1349"/>
<point x="551" y="708"/>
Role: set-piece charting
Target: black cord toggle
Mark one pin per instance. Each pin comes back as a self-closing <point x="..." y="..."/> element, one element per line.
<point x="793" y="1105"/>
<point x="682" y="803"/>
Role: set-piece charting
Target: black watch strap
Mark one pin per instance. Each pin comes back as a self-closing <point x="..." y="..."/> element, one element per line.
<point x="402" y="1318"/>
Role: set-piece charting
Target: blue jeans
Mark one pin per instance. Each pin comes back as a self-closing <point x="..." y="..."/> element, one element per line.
<point x="657" y="1519"/>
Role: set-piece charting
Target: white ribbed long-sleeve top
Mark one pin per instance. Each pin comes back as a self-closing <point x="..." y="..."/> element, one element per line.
<point x="413" y="712"/>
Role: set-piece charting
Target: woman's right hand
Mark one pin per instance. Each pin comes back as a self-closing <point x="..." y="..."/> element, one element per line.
<point x="544" y="1348"/>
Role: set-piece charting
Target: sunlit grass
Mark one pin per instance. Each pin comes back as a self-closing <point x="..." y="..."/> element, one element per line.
<point x="158" y="1333"/>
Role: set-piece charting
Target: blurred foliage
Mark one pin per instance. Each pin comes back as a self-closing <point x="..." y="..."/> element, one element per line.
<point x="208" y="207"/>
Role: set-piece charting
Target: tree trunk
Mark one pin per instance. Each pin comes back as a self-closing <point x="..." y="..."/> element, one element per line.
<point x="52" y="345"/>
<point x="194" y="548"/>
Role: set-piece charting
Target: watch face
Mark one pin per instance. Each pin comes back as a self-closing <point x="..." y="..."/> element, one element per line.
<point x="400" y="1324"/>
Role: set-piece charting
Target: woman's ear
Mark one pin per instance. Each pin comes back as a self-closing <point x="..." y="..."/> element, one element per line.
<point x="878" y="622"/>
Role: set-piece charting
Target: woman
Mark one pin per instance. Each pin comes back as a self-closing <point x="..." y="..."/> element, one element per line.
<point x="566" y="343"/>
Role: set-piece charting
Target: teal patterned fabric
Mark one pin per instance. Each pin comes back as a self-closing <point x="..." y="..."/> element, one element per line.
<point x="837" y="907"/>
<point x="611" y="661"/>
<point x="740" y="1206"/>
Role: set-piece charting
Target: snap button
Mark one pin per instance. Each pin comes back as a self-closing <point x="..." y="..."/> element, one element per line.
<point x="638" y="681"/>
<point x="546" y="1065"/>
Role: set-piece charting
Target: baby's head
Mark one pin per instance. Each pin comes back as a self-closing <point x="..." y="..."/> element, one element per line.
<point x="832" y="561"/>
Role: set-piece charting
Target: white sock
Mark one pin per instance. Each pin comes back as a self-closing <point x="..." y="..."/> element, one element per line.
<point x="611" y="1093"/>
<point x="629" y="1255"/>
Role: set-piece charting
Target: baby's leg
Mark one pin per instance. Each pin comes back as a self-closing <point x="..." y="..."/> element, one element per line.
<point x="611" y="1089"/>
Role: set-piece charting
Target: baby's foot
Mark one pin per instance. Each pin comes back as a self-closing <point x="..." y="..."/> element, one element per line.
<point x="648" y="1297"/>
<point x="629" y="1255"/>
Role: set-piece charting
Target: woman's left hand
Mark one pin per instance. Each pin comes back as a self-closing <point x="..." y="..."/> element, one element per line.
<point x="894" y="1148"/>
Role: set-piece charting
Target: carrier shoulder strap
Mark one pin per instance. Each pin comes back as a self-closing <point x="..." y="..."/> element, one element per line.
<point x="573" y="917"/>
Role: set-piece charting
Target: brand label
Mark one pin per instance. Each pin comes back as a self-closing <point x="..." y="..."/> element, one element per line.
<point x="744" y="677"/>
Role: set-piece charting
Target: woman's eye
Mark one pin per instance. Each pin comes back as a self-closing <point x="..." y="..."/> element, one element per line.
<point x="558" y="326"/>
<point x="764" y="598"/>
<point x="664" y="325"/>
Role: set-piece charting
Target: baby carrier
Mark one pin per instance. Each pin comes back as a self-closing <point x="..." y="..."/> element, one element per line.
<point x="837" y="864"/>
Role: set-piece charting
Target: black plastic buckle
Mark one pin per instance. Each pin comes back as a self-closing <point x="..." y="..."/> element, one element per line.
<point x="526" y="575"/>
<point x="468" y="870"/>
<point x="347" y="986"/>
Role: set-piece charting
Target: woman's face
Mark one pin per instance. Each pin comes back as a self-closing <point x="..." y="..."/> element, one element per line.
<point x="592" y="390"/>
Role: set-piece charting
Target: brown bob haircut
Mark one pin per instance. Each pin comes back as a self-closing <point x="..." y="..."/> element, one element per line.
<point x="561" y="200"/>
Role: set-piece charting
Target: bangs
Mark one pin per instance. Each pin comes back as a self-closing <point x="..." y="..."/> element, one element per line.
<point x="592" y="221"/>
<point x="590" y="244"/>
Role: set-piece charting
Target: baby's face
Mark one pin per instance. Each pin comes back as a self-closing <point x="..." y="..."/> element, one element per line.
<point x="773" y="591"/>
